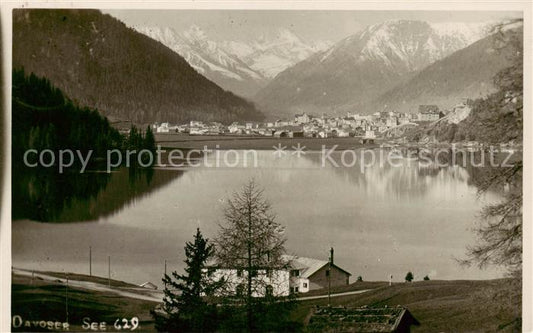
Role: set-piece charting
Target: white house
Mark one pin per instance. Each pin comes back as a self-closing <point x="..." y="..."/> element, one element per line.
<point x="301" y="275"/>
<point x="274" y="282"/>
<point x="163" y="128"/>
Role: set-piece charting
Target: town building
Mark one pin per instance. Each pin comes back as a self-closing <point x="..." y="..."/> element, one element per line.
<point x="302" y="118"/>
<point x="163" y="128"/>
<point x="148" y="285"/>
<point x="428" y="113"/>
<point x="289" y="132"/>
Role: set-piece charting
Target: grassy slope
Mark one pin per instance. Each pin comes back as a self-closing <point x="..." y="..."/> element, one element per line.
<point x="44" y="300"/>
<point x="443" y="306"/>
<point x="95" y="279"/>
<point x="440" y="306"/>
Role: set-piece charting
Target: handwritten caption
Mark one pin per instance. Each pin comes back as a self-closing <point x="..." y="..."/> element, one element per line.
<point x="120" y="324"/>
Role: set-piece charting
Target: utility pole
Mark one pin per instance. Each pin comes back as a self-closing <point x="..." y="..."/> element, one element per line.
<point x="330" y="261"/>
<point x="109" y="271"/>
<point x="66" y="298"/>
<point x="90" y="261"/>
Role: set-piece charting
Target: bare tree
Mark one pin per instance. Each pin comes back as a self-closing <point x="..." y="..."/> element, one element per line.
<point x="500" y="229"/>
<point x="251" y="243"/>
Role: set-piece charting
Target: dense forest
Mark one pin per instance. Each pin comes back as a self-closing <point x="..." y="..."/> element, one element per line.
<point x="44" y="118"/>
<point x="101" y="63"/>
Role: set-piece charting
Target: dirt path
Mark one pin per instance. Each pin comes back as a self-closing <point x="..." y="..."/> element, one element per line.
<point x="143" y="293"/>
<point x="348" y="293"/>
<point x="140" y="293"/>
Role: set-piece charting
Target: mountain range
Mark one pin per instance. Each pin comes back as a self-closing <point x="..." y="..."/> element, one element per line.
<point x="149" y="74"/>
<point x="465" y="74"/>
<point x="243" y="67"/>
<point x="101" y="63"/>
<point x="355" y="74"/>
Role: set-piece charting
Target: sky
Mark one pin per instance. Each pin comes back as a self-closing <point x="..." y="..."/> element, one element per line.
<point x="310" y="25"/>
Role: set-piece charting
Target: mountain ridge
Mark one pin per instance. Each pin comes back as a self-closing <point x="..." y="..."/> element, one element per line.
<point x="466" y="74"/>
<point x="100" y="63"/>
<point x="241" y="67"/>
<point x="356" y="70"/>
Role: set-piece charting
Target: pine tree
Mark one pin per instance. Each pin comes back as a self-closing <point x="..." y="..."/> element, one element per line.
<point x="252" y="241"/>
<point x="185" y="303"/>
<point x="409" y="277"/>
<point x="149" y="140"/>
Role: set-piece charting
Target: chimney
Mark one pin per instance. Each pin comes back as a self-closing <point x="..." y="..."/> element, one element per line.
<point x="331" y="252"/>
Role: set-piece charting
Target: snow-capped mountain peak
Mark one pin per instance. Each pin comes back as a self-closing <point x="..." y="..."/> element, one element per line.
<point x="195" y="33"/>
<point x="243" y="66"/>
<point x="287" y="36"/>
<point x="407" y="45"/>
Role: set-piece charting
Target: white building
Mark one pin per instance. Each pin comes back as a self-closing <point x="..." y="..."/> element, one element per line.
<point x="302" y="118"/>
<point x="370" y="134"/>
<point x="236" y="128"/>
<point x="163" y="128"/>
<point x="302" y="275"/>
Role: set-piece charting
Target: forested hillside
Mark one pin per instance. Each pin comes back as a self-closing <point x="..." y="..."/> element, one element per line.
<point x="100" y="63"/>
<point x="467" y="73"/>
<point x="497" y="118"/>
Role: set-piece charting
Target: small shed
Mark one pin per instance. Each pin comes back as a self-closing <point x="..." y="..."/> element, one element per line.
<point x="396" y="319"/>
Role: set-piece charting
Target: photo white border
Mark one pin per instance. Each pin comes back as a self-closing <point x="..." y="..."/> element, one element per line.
<point x="524" y="6"/>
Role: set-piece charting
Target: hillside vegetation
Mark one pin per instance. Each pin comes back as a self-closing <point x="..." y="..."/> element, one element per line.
<point x="35" y="300"/>
<point x="496" y="118"/>
<point x="439" y="306"/>
<point x="443" y="306"/>
<point x="467" y="73"/>
<point x="100" y="63"/>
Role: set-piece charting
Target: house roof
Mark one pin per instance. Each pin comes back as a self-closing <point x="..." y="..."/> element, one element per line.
<point x="149" y="285"/>
<point x="359" y="319"/>
<point x="308" y="266"/>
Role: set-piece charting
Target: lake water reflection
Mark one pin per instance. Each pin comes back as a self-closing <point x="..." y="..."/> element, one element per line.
<point x="382" y="220"/>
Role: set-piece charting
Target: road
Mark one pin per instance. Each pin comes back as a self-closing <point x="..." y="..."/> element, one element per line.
<point x="142" y="293"/>
<point x="348" y="293"/>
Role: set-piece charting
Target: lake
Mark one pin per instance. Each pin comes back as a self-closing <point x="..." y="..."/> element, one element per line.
<point x="380" y="219"/>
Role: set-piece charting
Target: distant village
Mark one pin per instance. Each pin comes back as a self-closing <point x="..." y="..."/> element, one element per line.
<point x="306" y="125"/>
